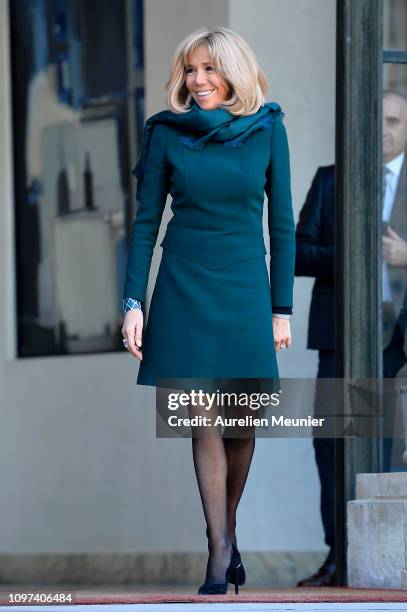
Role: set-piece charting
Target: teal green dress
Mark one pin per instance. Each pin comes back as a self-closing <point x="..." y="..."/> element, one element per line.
<point x="211" y="310"/>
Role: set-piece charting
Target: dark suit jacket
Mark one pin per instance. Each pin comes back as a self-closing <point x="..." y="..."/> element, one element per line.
<point x="398" y="221"/>
<point x="315" y="256"/>
<point x="394" y="328"/>
<point x="394" y="357"/>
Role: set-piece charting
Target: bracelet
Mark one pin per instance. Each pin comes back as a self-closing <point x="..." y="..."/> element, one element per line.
<point x="130" y="304"/>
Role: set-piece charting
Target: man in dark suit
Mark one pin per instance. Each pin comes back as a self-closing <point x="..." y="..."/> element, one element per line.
<point x="394" y="209"/>
<point x="315" y="257"/>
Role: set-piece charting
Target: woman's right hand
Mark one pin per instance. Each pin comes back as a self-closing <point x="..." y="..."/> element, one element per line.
<point x="132" y="330"/>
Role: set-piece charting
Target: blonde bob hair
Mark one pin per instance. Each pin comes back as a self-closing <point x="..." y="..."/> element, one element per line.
<point x="235" y="64"/>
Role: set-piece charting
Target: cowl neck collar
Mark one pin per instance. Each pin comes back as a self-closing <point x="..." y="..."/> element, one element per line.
<point x="199" y="126"/>
<point x="220" y="125"/>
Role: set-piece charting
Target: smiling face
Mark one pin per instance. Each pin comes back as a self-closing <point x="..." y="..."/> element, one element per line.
<point x="202" y="80"/>
<point x="394" y="126"/>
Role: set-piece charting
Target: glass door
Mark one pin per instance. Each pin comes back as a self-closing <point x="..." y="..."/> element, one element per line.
<point x="394" y="230"/>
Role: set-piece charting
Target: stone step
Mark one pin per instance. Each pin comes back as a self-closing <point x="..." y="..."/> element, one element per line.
<point x="377" y="532"/>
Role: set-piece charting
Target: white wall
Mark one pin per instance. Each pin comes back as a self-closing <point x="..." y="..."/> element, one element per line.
<point x="7" y="290"/>
<point x="80" y="467"/>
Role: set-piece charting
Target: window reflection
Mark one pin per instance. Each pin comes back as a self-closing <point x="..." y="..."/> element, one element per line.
<point x="394" y="257"/>
<point x="395" y="24"/>
<point x="72" y="158"/>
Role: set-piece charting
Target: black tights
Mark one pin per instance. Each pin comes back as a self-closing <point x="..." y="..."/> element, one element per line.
<point x="221" y="465"/>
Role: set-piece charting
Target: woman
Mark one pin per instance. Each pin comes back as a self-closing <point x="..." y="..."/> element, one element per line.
<point x="214" y="312"/>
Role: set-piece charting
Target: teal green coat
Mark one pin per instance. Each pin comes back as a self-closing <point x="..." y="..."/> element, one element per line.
<point x="210" y="314"/>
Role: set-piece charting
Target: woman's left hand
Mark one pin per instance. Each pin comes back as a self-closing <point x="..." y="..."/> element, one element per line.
<point x="282" y="333"/>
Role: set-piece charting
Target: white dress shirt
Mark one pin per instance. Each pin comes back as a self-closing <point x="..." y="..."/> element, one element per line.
<point x="391" y="180"/>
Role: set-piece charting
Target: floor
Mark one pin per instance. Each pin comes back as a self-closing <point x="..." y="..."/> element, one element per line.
<point x="147" y="598"/>
<point x="226" y="607"/>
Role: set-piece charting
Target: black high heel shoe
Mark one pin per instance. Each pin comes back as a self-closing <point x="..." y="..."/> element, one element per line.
<point x="240" y="577"/>
<point x="233" y="575"/>
<point x="241" y="574"/>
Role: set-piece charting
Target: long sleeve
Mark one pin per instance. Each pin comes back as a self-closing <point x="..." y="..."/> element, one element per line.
<point x="152" y="190"/>
<point x="313" y="258"/>
<point x="280" y="221"/>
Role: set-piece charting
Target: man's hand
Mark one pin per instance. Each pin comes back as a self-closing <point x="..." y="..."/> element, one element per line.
<point x="394" y="249"/>
<point x="132" y="330"/>
<point x="282" y="333"/>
